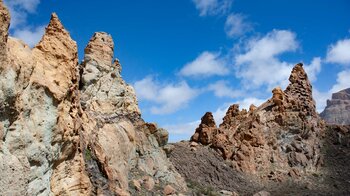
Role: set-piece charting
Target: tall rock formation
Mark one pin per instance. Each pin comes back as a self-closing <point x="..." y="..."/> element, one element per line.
<point x="338" y="108"/>
<point x="70" y="129"/>
<point x="279" y="138"/>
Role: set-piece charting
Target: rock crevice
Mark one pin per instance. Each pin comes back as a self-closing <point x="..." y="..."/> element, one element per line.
<point x="74" y="129"/>
<point x="274" y="140"/>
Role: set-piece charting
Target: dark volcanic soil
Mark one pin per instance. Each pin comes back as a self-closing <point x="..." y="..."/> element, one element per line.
<point x="203" y="169"/>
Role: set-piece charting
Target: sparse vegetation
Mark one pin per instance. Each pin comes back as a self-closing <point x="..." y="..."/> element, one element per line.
<point x="201" y="190"/>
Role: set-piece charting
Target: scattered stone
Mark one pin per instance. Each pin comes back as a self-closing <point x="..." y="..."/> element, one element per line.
<point x="148" y="183"/>
<point x="169" y="190"/>
<point x="227" y="193"/>
<point x="168" y="148"/>
<point x="136" y="184"/>
<point x="262" y="193"/>
<point x="193" y="144"/>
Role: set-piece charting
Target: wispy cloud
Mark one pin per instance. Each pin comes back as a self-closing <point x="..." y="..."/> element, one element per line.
<point x="30" y="36"/>
<point x="339" y="52"/>
<point x="181" y="130"/>
<point x="343" y="81"/>
<point x="19" y="10"/>
<point x="168" y="98"/>
<point x="206" y="64"/>
<point x="236" y="25"/>
<point x="221" y="89"/>
<point x="212" y="7"/>
<point x="259" y="65"/>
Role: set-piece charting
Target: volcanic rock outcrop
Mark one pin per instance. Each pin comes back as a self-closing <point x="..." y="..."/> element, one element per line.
<point x="338" y="108"/>
<point x="279" y="138"/>
<point x="74" y="129"/>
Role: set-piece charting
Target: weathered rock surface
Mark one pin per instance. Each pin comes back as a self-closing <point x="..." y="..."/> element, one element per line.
<point x="338" y="108"/>
<point x="207" y="173"/>
<point x="70" y="129"/>
<point x="280" y="137"/>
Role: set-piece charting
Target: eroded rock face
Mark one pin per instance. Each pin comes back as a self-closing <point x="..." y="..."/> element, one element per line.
<point x="70" y="129"/>
<point x="338" y="108"/>
<point x="4" y="26"/>
<point x="279" y="138"/>
<point x="206" y="130"/>
<point x="119" y="142"/>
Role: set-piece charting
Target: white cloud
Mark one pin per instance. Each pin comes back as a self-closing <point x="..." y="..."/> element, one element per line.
<point x="182" y="128"/>
<point x="220" y="113"/>
<point x="206" y="64"/>
<point x="343" y="81"/>
<point x="212" y="7"/>
<point x="30" y="36"/>
<point x="167" y="97"/>
<point x="260" y="65"/>
<point x="19" y="10"/>
<point x="339" y="52"/>
<point x="236" y="25"/>
<point x="221" y="89"/>
<point x="269" y="46"/>
<point x="321" y="99"/>
<point x="313" y="69"/>
<point x="245" y="103"/>
<point x="181" y="131"/>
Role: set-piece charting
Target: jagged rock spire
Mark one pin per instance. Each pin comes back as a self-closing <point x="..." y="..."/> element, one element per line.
<point x="57" y="41"/>
<point x="300" y="89"/>
<point x="58" y="49"/>
<point x="4" y="27"/>
<point x="230" y="115"/>
<point x="284" y="132"/>
<point x="98" y="58"/>
<point x="206" y="129"/>
<point x="100" y="48"/>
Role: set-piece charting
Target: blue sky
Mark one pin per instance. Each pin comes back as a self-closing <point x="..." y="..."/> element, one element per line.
<point x="186" y="57"/>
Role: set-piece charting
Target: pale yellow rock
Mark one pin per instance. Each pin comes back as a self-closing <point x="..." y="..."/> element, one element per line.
<point x="137" y="184"/>
<point x="66" y="134"/>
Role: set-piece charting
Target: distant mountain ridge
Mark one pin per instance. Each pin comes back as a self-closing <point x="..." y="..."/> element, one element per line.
<point x="337" y="110"/>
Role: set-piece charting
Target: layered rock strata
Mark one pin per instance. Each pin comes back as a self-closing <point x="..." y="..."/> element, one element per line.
<point x="74" y="129"/>
<point x="338" y="108"/>
<point x="279" y="138"/>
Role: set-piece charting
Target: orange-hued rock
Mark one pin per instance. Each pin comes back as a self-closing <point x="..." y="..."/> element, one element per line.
<point x="73" y="129"/>
<point x="206" y="130"/>
<point x="282" y="134"/>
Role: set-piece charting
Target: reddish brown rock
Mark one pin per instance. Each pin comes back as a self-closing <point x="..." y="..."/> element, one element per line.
<point x="169" y="190"/>
<point x="281" y="134"/>
<point x="206" y="130"/>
